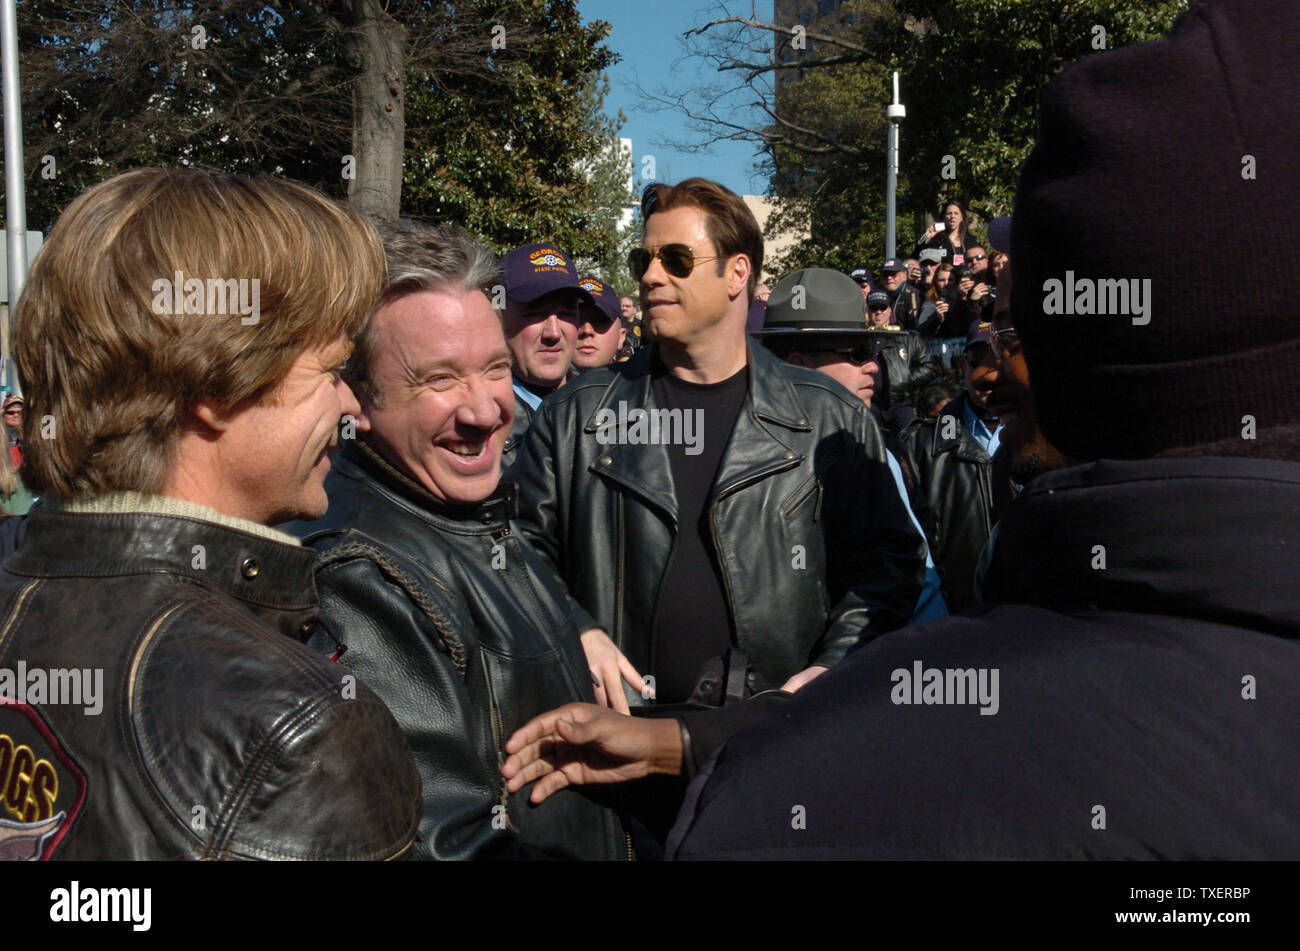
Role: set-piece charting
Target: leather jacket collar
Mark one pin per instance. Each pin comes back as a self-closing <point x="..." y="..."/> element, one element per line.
<point x="753" y="451"/>
<point x="246" y="567"/>
<point x="1209" y="538"/>
<point x="495" y="509"/>
<point x="963" y="443"/>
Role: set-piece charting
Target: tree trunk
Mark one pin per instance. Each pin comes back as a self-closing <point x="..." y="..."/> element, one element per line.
<point x="378" y="119"/>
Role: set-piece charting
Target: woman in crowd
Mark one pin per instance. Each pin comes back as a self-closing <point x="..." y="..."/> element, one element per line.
<point x="954" y="240"/>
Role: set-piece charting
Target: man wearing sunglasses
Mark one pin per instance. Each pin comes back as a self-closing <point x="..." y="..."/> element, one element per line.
<point x="961" y="475"/>
<point x="904" y="299"/>
<point x="778" y="532"/>
<point x="832" y="339"/>
<point x="904" y="363"/>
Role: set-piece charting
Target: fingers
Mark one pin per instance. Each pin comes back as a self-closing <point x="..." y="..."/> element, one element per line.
<point x="549" y="785"/>
<point x="541" y="725"/>
<point x="631" y="675"/>
<point x="615" y="697"/>
<point x="598" y="682"/>
<point x="519" y="773"/>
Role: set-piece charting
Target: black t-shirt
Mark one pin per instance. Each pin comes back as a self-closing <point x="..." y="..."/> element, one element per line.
<point x="692" y="622"/>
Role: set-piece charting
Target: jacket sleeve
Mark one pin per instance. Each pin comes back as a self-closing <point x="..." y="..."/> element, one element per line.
<point x="534" y="473"/>
<point x="928" y="319"/>
<point x="924" y="368"/>
<point x="393" y="641"/>
<point x="337" y="782"/>
<point x="875" y="558"/>
<point x="541" y="515"/>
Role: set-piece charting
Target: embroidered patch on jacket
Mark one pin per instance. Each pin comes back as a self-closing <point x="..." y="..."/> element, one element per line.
<point x="42" y="788"/>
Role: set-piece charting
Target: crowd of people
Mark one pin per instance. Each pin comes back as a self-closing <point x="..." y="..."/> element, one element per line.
<point x="757" y="572"/>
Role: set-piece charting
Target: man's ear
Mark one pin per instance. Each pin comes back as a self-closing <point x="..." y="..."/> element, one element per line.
<point x="214" y="421"/>
<point x="364" y="422"/>
<point x="738" y="271"/>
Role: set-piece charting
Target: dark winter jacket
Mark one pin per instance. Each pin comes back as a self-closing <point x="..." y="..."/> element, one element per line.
<point x="960" y="496"/>
<point x="1145" y="634"/>
<point x="453" y="619"/>
<point x="805" y="466"/>
<point x="906" y="364"/>
<point x="215" y="733"/>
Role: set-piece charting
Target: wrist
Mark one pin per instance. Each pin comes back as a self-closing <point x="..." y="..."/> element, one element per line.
<point x="668" y="750"/>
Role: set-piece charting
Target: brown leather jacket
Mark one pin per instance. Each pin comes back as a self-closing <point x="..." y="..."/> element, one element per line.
<point x="168" y="711"/>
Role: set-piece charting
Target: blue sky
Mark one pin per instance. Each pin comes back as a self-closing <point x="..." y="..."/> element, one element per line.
<point x="648" y="35"/>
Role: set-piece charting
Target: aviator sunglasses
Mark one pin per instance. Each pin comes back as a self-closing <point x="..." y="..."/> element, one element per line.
<point x="857" y="355"/>
<point x="677" y="259"/>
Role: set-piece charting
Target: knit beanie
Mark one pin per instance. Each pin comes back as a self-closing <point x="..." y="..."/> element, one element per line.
<point x="1156" y="242"/>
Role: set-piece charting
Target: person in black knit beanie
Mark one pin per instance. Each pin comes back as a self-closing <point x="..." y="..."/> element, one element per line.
<point x="1146" y="156"/>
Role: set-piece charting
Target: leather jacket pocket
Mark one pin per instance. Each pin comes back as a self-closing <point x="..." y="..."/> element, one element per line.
<point x="812" y="489"/>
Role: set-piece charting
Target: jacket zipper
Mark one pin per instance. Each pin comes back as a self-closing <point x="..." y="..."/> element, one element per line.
<point x="713" y="532"/>
<point x="497" y="731"/>
<point x="619" y="577"/>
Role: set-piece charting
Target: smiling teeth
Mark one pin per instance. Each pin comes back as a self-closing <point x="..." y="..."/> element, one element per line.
<point x="468" y="452"/>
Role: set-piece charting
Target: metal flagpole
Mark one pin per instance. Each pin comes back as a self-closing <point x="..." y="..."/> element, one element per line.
<point x="895" y="113"/>
<point x="15" y="197"/>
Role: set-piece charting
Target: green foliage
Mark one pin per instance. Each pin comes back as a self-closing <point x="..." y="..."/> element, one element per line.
<point x="972" y="73"/>
<point x="511" y="142"/>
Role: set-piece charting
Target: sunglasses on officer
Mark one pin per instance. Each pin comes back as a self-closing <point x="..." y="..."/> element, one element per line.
<point x="858" y="354"/>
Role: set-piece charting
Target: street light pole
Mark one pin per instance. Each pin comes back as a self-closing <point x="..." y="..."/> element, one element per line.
<point x="15" y="197"/>
<point x="894" y="113"/>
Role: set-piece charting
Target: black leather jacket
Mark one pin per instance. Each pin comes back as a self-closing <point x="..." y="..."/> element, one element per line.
<point x="961" y="494"/>
<point x="518" y="429"/>
<point x="817" y="553"/>
<point x="906" y="307"/>
<point x="905" y="363"/>
<point x="220" y="735"/>
<point x="465" y="632"/>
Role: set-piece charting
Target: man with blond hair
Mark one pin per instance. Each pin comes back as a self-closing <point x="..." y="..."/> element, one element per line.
<point x="179" y="340"/>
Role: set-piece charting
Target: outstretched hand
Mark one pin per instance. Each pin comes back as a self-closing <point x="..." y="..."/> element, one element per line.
<point x="582" y="743"/>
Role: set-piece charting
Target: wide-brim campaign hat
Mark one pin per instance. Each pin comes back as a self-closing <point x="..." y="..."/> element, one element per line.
<point x="815" y="300"/>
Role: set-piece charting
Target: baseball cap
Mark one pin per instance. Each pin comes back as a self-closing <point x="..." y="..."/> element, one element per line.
<point x="877" y="299"/>
<point x="537" y="269"/>
<point x="603" y="296"/>
<point x="893" y="266"/>
<point x="861" y="275"/>
<point x="933" y="255"/>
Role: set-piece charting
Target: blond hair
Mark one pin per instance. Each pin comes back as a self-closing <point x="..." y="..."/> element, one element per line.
<point x="110" y="375"/>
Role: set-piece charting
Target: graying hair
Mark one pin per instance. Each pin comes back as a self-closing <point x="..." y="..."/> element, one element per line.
<point x="422" y="257"/>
